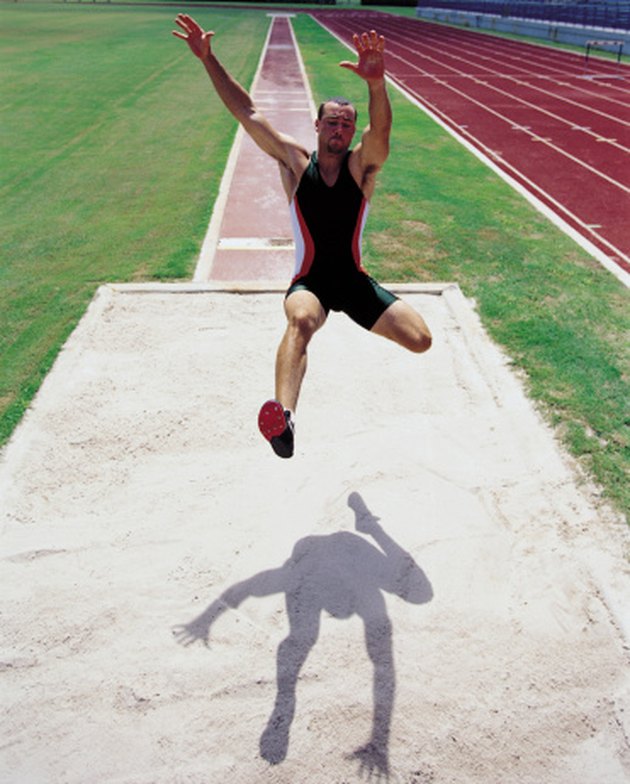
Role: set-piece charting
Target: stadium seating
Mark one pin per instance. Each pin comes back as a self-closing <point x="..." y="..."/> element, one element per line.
<point x="588" y="13"/>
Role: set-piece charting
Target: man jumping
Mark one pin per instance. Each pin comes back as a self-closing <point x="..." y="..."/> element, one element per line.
<point x="328" y="192"/>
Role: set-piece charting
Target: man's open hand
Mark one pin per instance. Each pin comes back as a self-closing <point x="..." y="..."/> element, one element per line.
<point x="370" y="47"/>
<point x="197" y="39"/>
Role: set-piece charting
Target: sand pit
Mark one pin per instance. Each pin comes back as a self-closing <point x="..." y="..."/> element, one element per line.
<point x="446" y="597"/>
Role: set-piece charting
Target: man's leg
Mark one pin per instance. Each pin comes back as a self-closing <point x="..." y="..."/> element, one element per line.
<point x="405" y="326"/>
<point x="305" y="315"/>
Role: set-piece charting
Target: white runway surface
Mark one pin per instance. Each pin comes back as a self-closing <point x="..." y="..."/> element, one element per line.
<point x="447" y="593"/>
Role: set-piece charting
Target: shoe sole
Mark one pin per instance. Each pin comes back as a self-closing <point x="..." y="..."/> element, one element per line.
<point x="271" y="420"/>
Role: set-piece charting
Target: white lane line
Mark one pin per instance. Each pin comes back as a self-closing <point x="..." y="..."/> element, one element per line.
<point x="515" y="98"/>
<point x="485" y="156"/>
<point x="505" y="119"/>
<point x="255" y="243"/>
<point x="305" y="80"/>
<point x="535" y="137"/>
<point x="506" y="54"/>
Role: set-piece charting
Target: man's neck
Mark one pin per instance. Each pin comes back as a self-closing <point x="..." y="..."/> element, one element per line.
<point x="330" y="165"/>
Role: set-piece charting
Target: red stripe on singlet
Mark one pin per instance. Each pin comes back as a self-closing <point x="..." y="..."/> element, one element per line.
<point x="358" y="233"/>
<point x="302" y="267"/>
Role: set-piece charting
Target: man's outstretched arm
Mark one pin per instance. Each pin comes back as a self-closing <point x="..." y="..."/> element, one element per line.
<point x="236" y="99"/>
<point x="263" y="584"/>
<point x="373" y="149"/>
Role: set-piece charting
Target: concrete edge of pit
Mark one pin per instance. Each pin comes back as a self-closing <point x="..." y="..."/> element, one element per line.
<point x="257" y="287"/>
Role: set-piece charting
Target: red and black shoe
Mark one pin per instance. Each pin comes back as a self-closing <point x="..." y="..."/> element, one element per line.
<point x="277" y="427"/>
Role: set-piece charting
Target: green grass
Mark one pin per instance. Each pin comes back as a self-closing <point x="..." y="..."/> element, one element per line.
<point x="112" y="148"/>
<point x="113" y="145"/>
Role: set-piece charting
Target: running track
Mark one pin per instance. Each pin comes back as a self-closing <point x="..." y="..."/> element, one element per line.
<point x="560" y="130"/>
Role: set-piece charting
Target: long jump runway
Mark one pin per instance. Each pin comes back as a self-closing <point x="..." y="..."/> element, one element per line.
<point x="429" y="592"/>
<point x="559" y="127"/>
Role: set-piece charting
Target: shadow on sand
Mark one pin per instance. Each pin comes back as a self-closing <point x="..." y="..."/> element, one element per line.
<point x="343" y="574"/>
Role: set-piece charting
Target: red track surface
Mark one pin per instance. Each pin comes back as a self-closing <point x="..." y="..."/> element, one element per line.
<point x="558" y="126"/>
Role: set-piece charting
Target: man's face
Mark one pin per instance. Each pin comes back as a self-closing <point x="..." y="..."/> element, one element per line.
<point x="336" y="128"/>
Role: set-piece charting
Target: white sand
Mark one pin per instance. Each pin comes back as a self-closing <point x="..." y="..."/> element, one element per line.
<point x="492" y="592"/>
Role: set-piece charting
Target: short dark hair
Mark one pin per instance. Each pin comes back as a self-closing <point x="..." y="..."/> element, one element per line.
<point x="341" y="101"/>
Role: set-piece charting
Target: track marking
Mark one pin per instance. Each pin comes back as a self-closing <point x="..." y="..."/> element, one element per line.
<point x="255" y="243"/>
<point x="505" y="119"/>
<point x="512" y="96"/>
<point x="506" y="54"/>
<point x="518" y="181"/>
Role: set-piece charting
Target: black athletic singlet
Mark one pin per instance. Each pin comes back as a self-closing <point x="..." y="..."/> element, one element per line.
<point x="328" y="224"/>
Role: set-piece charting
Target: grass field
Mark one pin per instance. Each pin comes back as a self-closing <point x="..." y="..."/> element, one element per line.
<point x="112" y="152"/>
<point x="114" y="147"/>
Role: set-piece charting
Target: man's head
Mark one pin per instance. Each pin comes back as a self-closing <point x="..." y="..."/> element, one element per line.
<point x="336" y="125"/>
<point x="339" y="101"/>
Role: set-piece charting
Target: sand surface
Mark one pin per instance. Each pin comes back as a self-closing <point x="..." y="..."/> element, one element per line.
<point x="428" y="592"/>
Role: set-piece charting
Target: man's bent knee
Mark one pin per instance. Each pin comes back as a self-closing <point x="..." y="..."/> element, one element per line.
<point x="422" y="341"/>
<point x="417" y="342"/>
<point x="405" y="326"/>
<point x="303" y="322"/>
<point x="305" y="314"/>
